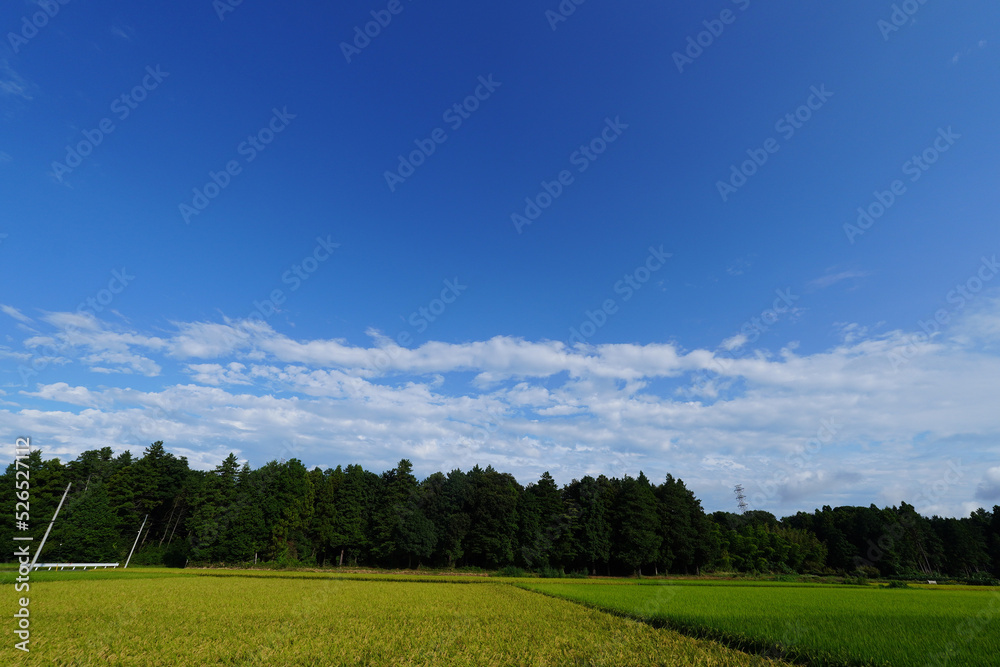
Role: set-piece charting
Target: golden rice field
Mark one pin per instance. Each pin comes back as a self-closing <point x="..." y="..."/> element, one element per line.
<point x="160" y="617"/>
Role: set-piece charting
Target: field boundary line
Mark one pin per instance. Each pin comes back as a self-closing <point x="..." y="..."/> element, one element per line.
<point x="750" y="646"/>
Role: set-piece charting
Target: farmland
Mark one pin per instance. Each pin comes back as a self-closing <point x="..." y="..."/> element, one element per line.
<point x="159" y="616"/>
<point x="821" y="624"/>
<point x="163" y="617"/>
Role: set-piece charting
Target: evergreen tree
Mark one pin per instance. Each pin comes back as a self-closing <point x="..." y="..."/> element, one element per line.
<point x="355" y="498"/>
<point x="637" y="542"/>
<point x="214" y="510"/>
<point x="445" y="502"/>
<point x="284" y="512"/>
<point x="593" y="528"/>
<point x="326" y="513"/>
<point x="397" y="488"/>
<point x="493" y="501"/>
<point x="291" y="495"/>
<point x="414" y="534"/>
<point x="86" y="530"/>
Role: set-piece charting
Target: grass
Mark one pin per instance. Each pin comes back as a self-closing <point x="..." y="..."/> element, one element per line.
<point x="171" y="617"/>
<point x="818" y="624"/>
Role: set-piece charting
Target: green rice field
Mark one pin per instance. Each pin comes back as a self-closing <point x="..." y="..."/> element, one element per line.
<point x="820" y="624"/>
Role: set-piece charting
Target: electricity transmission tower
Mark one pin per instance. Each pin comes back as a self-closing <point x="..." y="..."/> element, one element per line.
<point x="741" y="499"/>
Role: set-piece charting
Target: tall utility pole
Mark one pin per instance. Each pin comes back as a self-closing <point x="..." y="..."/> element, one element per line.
<point x="47" y="530"/>
<point x="136" y="541"/>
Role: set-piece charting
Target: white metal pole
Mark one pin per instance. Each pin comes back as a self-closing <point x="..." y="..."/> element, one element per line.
<point x="136" y="541"/>
<point x="35" y="559"/>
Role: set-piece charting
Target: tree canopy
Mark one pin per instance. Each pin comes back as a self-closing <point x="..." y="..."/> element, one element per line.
<point x="285" y="513"/>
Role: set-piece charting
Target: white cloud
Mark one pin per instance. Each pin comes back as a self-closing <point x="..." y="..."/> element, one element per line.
<point x="739" y="266"/>
<point x="832" y="278"/>
<point x="541" y="405"/>
<point x="980" y="326"/>
<point x="62" y="392"/>
<point x="125" y="32"/>
<point x="15" y="313"/>
<point x="981" y="44"/>
<point x="989" y="488"/>
<point x="722" y="462"/>
<point x="12" y="84"/>
<point x="735" y="342"/>
<point x="215" y="374"/>
<point x="204" y="340"/>
<point x="97" y="345"/>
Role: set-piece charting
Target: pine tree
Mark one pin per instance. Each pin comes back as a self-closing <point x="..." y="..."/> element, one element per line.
<point x="638" y="542"/>
<point x="593" y="529"/>
<point x="86" y="532"/>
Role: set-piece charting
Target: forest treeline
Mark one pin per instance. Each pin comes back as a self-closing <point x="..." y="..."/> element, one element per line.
<point x="286" y="514"/>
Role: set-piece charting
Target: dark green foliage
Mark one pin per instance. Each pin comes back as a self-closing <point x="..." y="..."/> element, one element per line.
<point x="687" y="540"/>
<point x="446" y="507"/>
<point x="86" y="533"/>
<point x="492" y="508"/>
<point x="981" y="579"/>
<point x="546" y="524"/>
<point x="354" y="495"/>
<point x="284" y="515"/>
<point x="592" y="497"/>
<point x="402" y="531"/>
<point x="636" y="518"/>
<point x="176" y="554"/>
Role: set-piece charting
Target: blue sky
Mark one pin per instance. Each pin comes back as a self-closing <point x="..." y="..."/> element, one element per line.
<point x="626" y="237"/>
